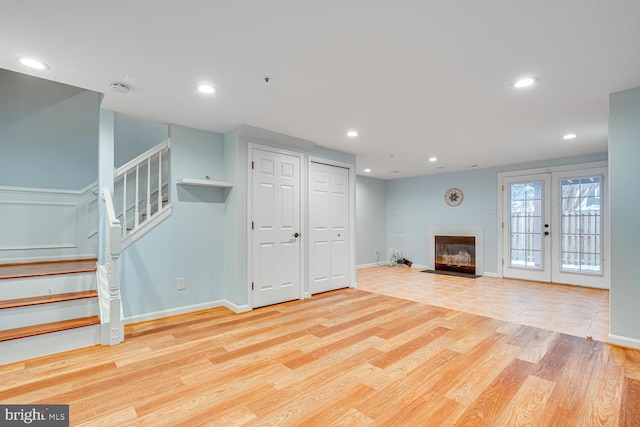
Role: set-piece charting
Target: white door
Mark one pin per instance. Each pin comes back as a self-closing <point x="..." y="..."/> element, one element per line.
<point x="579" y="242"/>
<point x="554" y="227"/>
<point x="527" y="228"/>
<point x="275" y="227"/>
<point x="329" y="228"/>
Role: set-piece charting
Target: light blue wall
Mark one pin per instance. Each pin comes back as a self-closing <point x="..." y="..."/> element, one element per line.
<point x="134" y="136"/>
<point x="48" y="133"/>
<point x="190" y="243"/>
<point x="105" y="177"/>
<point x="624" y="176"/>
<point x="371" y="220"/>
<point x="415" y="204"/>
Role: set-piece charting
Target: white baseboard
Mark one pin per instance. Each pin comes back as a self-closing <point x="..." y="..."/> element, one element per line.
<point x="236" y="308"/>
<point x="371" y="264"/>
<point x="489" y="274"/>
<point x="186" y="309"/>
<point x="624" y="341"/>
<point x="420" y="266"/>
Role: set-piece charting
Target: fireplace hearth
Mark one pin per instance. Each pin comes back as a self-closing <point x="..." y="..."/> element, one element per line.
<point x="455" y="253"/>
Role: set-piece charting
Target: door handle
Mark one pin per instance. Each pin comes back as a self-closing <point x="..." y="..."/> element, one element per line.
<point x="296" y="235"/>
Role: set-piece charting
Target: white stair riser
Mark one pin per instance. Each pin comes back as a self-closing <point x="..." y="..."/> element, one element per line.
<point x="18" y="317"/>
<point x="42" y="345"/>
<point x="43" y="285"/>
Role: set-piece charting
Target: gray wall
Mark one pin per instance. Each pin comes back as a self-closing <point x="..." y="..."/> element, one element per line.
<point x="371" y="220"/>
<point x="48" y="133"/>
<point x="624" y="176"/>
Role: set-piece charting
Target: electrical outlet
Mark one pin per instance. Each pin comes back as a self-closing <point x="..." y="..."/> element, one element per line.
<point x="182" y="283"/>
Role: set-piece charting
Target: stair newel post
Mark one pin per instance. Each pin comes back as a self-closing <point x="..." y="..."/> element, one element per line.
<point x="137" y="201"/>
<point x="148" y="189"/>
<point x="116" y="326"/>
<point x="113" y="325"/>
<point x="159" y="182"/>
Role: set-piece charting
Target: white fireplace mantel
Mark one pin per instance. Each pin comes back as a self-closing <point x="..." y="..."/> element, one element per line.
<point x="476" y="232"/>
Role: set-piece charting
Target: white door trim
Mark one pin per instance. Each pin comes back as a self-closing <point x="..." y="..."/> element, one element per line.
<point x="303" y="196"/>
<point x="352" y="215"/>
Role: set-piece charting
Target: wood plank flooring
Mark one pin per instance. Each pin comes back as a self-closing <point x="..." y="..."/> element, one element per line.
<point x="344" y="358"/>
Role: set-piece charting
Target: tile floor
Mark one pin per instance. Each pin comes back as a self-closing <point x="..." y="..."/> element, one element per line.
<point x="571" y="310"/>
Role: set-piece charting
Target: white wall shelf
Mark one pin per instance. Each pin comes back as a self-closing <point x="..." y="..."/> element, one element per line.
<point x="204" y="183"/>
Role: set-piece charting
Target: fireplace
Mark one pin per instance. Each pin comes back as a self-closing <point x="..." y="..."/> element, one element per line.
<point x="455" y="253"/>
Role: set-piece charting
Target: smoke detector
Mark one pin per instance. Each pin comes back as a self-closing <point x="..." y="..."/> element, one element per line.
<point x="120" y="87"/>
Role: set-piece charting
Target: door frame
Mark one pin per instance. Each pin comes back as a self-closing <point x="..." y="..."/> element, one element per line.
<point x="352" y="218"/>
<point x="302" y="215"/>
<point x="565" y="168"/>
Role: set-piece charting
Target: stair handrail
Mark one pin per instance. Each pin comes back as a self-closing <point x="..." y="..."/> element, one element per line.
<point x="113" y="329"/>
<point x="131" y="164"/>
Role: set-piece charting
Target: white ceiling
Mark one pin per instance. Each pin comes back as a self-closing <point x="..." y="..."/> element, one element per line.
<point x="416" y="78"/>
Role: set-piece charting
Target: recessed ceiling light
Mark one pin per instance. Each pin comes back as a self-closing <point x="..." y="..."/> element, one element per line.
<point x="352" y="133"/>
<point x="569" y="136"/>
<point x="528" y="81"/>
<point x="367" y="170"/>
<point x="208" y="89"/>
<point x="34" y="63"/>
<point x="433" y="159"/>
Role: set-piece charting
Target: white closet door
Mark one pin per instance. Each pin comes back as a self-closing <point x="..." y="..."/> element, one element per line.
<point x="329" y="225"/>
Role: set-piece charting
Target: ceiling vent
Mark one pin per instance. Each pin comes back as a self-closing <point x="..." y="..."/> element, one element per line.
<point x="120" y="87"/>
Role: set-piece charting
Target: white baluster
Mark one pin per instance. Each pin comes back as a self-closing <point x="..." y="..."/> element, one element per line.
<point x="124" y="205"/>
<point x="136" y="202"/>
<point x="148" y="188"/>
<point x="159" y="181"/>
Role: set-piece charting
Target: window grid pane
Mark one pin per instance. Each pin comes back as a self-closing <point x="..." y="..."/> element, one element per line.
<point x="580" y="224"/>
<point x="526" y="225"/>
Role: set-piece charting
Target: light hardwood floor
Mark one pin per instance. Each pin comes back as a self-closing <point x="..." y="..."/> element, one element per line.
<point x="572" y="310"/>
<point x="344" y="358"/>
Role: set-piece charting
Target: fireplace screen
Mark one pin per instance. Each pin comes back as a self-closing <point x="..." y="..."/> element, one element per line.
<point x="456" y="253"/>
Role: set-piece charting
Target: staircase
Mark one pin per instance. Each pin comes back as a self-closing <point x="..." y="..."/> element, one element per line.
<point x="53" y="306"/>
<point x="48" y="307"/>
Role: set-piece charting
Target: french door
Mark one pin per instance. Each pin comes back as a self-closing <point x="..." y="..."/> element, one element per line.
<point x="554" y="227"/>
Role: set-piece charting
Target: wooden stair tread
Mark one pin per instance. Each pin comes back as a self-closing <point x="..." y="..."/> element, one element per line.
<point x="47" y="268"/>
<point x="63" y="325"/>
<point x="46" y="299"/>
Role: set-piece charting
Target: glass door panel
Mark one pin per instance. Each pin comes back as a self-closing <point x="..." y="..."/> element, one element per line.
<point x="527" y="227"/>
<point x="581" y="200"/>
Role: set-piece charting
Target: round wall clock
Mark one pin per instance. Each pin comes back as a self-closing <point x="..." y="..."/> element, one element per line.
<point x="453" y="196"/>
